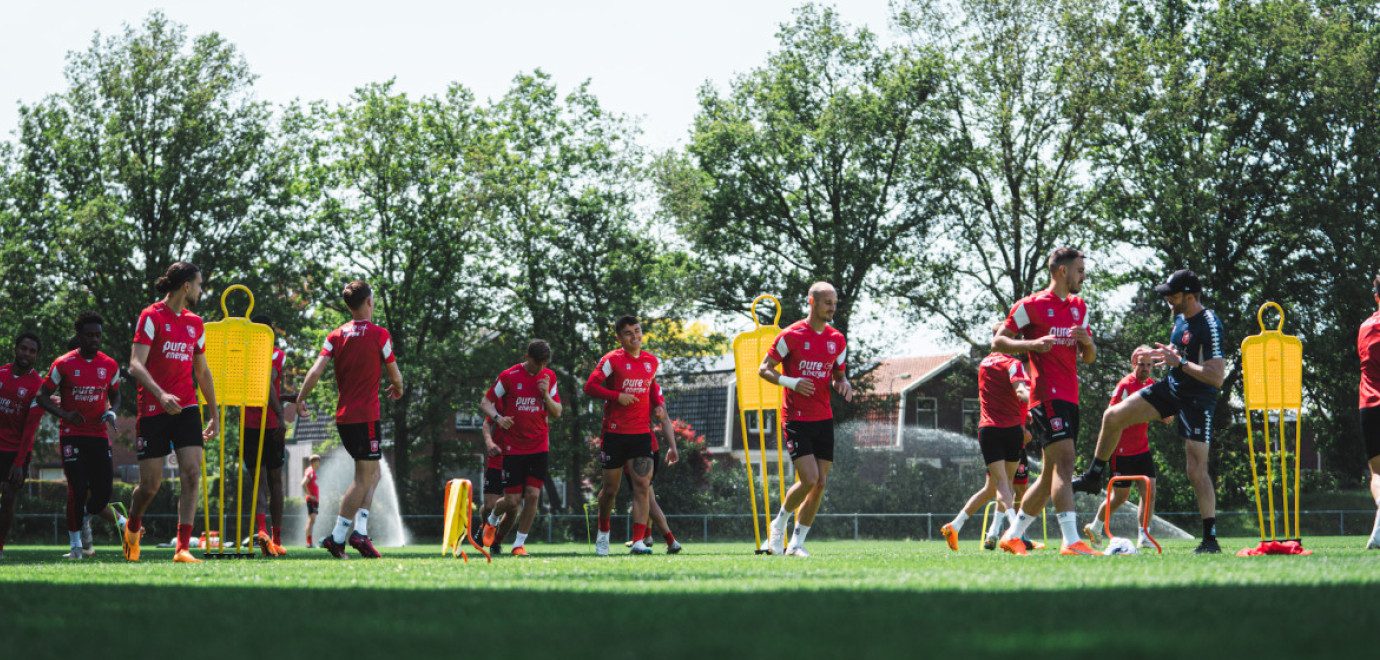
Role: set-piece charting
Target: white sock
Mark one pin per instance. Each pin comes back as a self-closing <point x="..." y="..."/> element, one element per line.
<point x="494" y="518"/>
<point x="76" y="538"/>
<point x="995" y="529"/>
<point x="342" y="528"/>
<point x="1017" y="530"/>
<point x="798" y="538"/>
<point x="362" y="522"/>
<point x="521" y="540"/>
<point x="121" y="521"/>
<point x="1096" y="523"/>
<point x="958" y="521"/>
<point x="1011" y="516"/>
<point x="782" y="518"/>
<point x="1068" y="526"/>
<point x="604" y="536"/>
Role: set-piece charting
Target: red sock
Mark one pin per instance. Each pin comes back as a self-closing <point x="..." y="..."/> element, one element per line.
<point x="639" y="531"/>
<point x="263" y="523"/>
<point x="670" y="538"/>
<point x="648" y="536"/>
<point x="603" y="524"/>
<point x="134" y="523"/>
<point x="184" y="536"/>
<point x="308" y="539"/>
<point x="277" y="535"/>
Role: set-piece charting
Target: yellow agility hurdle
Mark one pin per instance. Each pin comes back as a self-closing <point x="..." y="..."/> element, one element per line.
<point x="1272" y="374"/>
<point x="756" y="394"/>
<point x="459" y="506"/>
<point x="239" y="354"/>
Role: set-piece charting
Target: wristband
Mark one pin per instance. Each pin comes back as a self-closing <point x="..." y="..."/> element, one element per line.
<point x="109" y="416"/>
<point x="788" y="382"/>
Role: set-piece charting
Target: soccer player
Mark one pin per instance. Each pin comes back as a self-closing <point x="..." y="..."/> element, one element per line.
<point x="656" y="517"/>
<point x="493" y="489"/>
<point x="169" y="362"/>
<point x="1198" y="366"/>
<point x="1133" y="456"/>
<point x="360" y="352"/>
<point x="88" y="382"/>
<point x="274" y="453"/>
<point x="526" y="393"/>
<point x="812" y="358"/>
<point x="19" y="385"/>
<point x="623" y="379"/>
<point x="1052" y="326"/>
<point x="312" y="493"/>
<point x="1003" y="392"/>
<point x="1368" y="348"/>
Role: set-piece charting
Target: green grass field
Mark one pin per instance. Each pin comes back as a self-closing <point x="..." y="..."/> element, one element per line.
<point x="851" y="600"/>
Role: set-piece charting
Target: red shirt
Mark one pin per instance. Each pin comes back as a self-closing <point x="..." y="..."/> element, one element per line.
<point x="1134" y="439"/>
<point x="252" y="416"/>
<point x="359" y="349"/>
<point x="620" y="373"/>
<point x="998" y="375"/>
<point x="18" y="414"/>
<point x="313" y="492"/>
<point x="1055" y="374"/>
<point x="172" y="340"/>
<point x="517" y="395"/>
<point x="1368" y="346"/>
<point x="84" y="385"/>
<point x="804" y="353"/>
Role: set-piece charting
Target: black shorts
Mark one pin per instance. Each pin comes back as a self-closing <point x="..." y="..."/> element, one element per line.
<point x="493" y="481"/>
<point x="1142" y="464"/>
<point x="1193" y="418"/>
<point x="313" y="506"/>
<point x="1055" y="420"/>
<point x="361" y="440"/>
<point x="1001" y="443"/>
<point x="1370" y="431"/>
<point x="619" y="448"/>
<point x="7" y="459"/>
<point x="158" y="435"/>
<point x="1022" y="476"/>
<point x="275" y="447"/>
<point x="524" y="471"/>
<point x="815" y="438"/>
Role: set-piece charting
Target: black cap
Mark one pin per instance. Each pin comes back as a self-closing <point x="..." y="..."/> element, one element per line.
<point x="1182" y="281"/>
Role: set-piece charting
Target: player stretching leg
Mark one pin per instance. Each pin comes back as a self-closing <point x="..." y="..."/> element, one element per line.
<point x="812" y="357"/>
<point x="520" y="402"/>
<point x="623" y="379"/>
<point x="1368" y="348"/>
<point x="274" y="451"/>
<point x="1052" y="326"/>
<point x="88" y="382"/>
<point x="493" y="489"/>
<point x="19" y="416"/>
<point x="360" y="351"/>
<point x="311" y="493"/>
<point x="1198" y="366"/>
<point x="169" y="362"/>
<point x="1133" y="456"/>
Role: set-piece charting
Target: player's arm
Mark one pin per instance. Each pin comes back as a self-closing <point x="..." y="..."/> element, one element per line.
<point x="44" y="400"/>
<point x="201" y="371"/>
<point x="306" y="483"/>
<point x="17" y="476"/>
<point x="1087" y="348"/>
<point x="395" y="384"/>
<point x="274" y="403"/>
<point x="490" y="412"/>
<point x="1006" y="341"/>
<point x="1022" y="391"/>
<point x="841" y="384"/>
<point x="112" y="397"/>
<point x="487" y="431"/>
<point x="309" y="383"/>
<point x="594" y="387"/>
<point x="668" y="431"/>
<point x="553" y="407"/>
<point x="138" y="367"/>
<point x="768" y="372"/>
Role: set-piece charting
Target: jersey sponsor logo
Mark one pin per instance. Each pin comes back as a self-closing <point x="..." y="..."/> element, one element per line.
<point x="833" y="347"/>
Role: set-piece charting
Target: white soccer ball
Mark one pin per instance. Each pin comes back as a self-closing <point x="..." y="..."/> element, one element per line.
<point x="1120" y="546"/>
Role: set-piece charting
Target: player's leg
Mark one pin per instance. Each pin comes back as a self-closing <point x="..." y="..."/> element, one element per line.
<point x="531" y="499"/>
<point x="9" y="496"/>
<point x="100" y="479"/>
<point x="822" y="438"/>
<point x="1196" y="465"/>
<point x="659" y="518"/>
<point x="189" y="479"/>
<point x="1373" y="543"/>
<point x="639" y="471"/>
<point x="613" y="456"/>
<point x="312" y="509"/>
<point x="1033" y="502"/>
<point x="1149" y="404"/>
<point x="150" y="479"/>
<point x="75" y="471"/>
<point x="276" y="487"/>
<point x="1147" y="506"/>
<point x="806" y="474"/>
<point x="1370" y="436"/>
<point x="352" y="504"/>
<point x="975" y="502"/>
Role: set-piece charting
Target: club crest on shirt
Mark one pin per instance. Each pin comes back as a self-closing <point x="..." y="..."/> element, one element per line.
<point x="191" y="332"/>
<point x="833" y="347"/>
<point x="1188" y="337"/>
<point x="1074" y="311"/>
<point x="100" y="373"/>
<point x="22" y="392"/>
<point x="647" y="366"/>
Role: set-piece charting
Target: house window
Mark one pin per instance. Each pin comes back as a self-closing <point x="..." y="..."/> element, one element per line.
<point x="753" y="425"/>
<point x="972" y="416"/>
<point x="468" y="421"/>
<point x="927" y="413"/>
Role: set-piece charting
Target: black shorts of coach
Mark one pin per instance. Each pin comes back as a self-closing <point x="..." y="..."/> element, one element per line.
<point x="1370" y="431"/>
<point x="524" y="471"/>
<point x="1001" y="443"/>
<point x="275" y="447"/>
<point x="361" y="440"/>
<point x="1055" y="420"/>
<point x="1193" y="418"/>
<point x="813" y="438"/>
<point x="158" y="435"/>
<point x="619" y="448"/>
<point x="1133" y="465"/>
<point x="493" y="481"/>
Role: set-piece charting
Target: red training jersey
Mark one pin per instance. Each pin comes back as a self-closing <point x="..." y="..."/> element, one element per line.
<point x="620" y="373"/>
<point x="254" y="415"/>
<point x="18" y="414"/>
<point x="517" y="394"/>
<point x="1135" y="438"/>
<point x="83" y="385"/>
<point x="359" y="350"/>
<point x="1054" y="374"/>
<point x="172" y="340"/>
<point x="1368" y="347"/>
<point x="804" y="353"/>
<point x="313" y="492"/>
<point x="998" y="375"/>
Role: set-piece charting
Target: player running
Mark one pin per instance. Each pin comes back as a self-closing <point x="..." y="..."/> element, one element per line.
<point x="312" y="493"/>
<point x="274" y="453"/>
<point x="520" y="402"/>
<point x="1003" y="392"/>
<point x="623" y="379"/>
<point x="1133" y="456"/>
<point x="812" y="357"/>
<point x="1198" y="366"/>
<point x="1053" y="327"/>
<point x="360" y="351"/>
<point x="1368" y="348"/>
<point x="19" y="417"/>
<point x="493" y="489"/>
<point x="169" y="362"/>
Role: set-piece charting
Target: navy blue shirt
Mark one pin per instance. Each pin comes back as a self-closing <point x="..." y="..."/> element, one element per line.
<point x="1198" y="340"/>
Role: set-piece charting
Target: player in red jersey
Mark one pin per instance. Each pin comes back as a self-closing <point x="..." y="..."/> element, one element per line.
<point x="1053" y="327"/>
<point x="1003" y="392"/>
<point x="311" y="493"/>
<point x="274" y="454"/>
<point x="519" y="402"/>
<point x="493" y="489"/>
<point x="169" y="361"/>
<point x="1368" y="348"/>
<point x="88" y="382"/>
<point x="360" y="351"/>
<point x="19" y="385"/>
<point x="623" y="379"/>
<point x="1133" y="456"/>
<point x="812" y="358"/>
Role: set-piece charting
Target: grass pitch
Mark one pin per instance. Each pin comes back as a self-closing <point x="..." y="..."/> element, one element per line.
<point x="715" y="601"/>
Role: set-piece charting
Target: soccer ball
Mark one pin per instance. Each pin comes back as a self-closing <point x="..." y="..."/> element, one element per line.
<point x="1120" y="546"/>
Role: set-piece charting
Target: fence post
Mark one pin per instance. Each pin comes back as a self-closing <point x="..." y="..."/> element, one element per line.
<point x="704" y="518"/>
<point x="548" y="528"/>
<point x="855" y="527"/>
<point x="929" y="527"/>
<point x="1341" y="522"/>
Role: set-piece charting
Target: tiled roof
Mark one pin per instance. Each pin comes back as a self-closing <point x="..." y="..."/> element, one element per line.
<point x="894" y="374"/>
